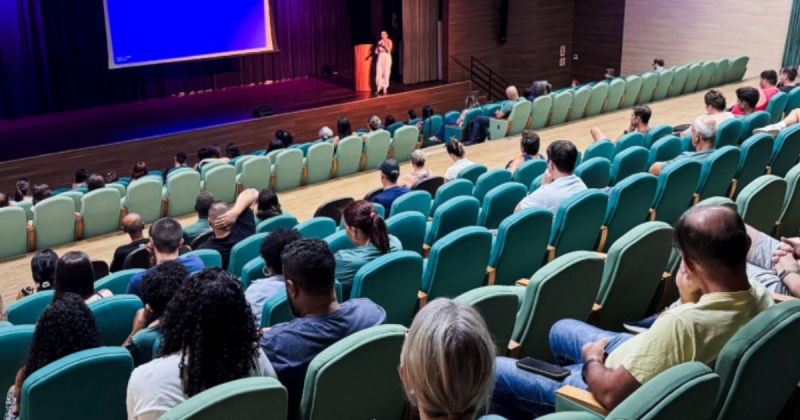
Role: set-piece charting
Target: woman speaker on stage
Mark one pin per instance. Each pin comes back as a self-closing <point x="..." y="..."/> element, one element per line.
<point x="384" y="66"/>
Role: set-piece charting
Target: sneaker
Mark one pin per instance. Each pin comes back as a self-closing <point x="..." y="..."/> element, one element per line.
<point x="641" y="326"/>
<point x="772" y="129"/>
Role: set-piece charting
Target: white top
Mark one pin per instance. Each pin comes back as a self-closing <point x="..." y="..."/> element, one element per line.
<point x="155" y="387"/>
<point x="452" y="172"/>
<point x="551" y="196"/>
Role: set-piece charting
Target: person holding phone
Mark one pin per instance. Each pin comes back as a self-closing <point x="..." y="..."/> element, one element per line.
<point x="384" y="66"/>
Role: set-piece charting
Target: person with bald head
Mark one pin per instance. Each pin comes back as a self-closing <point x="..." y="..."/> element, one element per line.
<point x="132" y="225"/>
<point x="718" y="299"/>
<point x="704" y="135"/>
<point x="231" y="225"/>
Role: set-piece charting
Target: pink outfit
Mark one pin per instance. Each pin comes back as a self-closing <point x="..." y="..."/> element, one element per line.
<point x="768" y="93"/>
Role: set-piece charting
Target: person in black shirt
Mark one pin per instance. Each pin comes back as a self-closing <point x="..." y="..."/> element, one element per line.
<point x="231" y="225"/>
<point x="132" y="225"/>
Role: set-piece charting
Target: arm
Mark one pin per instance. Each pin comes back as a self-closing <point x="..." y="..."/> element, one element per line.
<point x="655" y="169"/>
<point x="462" y="117"/>
<point x="609" y="386"/>
<point x="245" y="200"/>
<point x="140" y="321"/>
<point x="512" y="166"/>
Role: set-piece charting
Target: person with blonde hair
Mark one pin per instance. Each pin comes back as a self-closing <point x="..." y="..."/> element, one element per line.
<point x="420" y="172"/>
<point x="436" y="379"/>
<point x="374" y="124"/>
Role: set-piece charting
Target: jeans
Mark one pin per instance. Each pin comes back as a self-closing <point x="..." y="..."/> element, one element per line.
<point x="520" y="394"/>
<point x="447" y="121"/>
<point x="479" y="127"/>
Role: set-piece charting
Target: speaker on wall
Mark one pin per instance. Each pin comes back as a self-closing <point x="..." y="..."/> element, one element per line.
<point x="263" y="111"/>
<point x="503" y="20"/>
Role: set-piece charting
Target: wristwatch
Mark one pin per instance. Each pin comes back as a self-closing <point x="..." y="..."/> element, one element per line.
<point x="585" y="369"/>
<point x="785" y="273"/>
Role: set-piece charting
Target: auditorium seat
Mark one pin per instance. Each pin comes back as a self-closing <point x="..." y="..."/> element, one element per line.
<point x="500" y="203"/>
<point x="664" y="84"/>
<point x="286" y="221"/>
<point x="114" y="316"/>
<point x="458" y="131"/>
<point x="649" y="84"/>
<point x="776" y="106"/>
<point x="793" y="102"/>
<point x="100" y="214"/>
<point x="755" y="156"/>
<point x="738" y="69"/>
<point x="76" y="197"/>
<point x="562" y="102"/>
<point x="393" y="128"/>
<point x="656" y="133"/>
<point x="207" y="167"/>
<point x="26" y="205"/>
<point x="540" y="111"/>
<point x="27" y="310"/>
<point x="580" y="102"/>
<point x="633" y="86"/>
<point x="472" y="172"/>
<point x="276" y="310"/>
<point x="785" y="151"/>
<point x="431" y="185"/>
<point x="121" y="188"/>
<point x="457" y="263"/>
<point x="488" y="180"/>
<point x="14" y="344"/>
<point x="519" y="248"/>
<point x="316" y="227"/>
<point x="430" y="127"/>
<point x="408" y="227"/>
<point x="256" y="398"/>
<point x="760" y="203"/>
<point x="755" y="120"/>
<point x="318" y="163"/>
<point x="210" y="257"/>
<point x="728" y="133"/>
<point x="686" y="143"/>
<point x="597" y="99"/>
<point x="392" y="281"/>
<point x="376" y="149"/>
<point x="238" y="162"/>
<point x="273" y="155"/>
<point x="220" y="181"/>
<point x="419" y="201"/>
<point x="790" y="213"/>
<point x="339" y="241"/>
<point x="628" y="206"/>
<point x="243" y="252"/>
<point x="595" y="172"/>
<point x="256" y="173"/>
<point x="679" y="81"/>
<point x="450" y="216"/>
<point x="14" y="231"/>
<point x="631" y="161"/>
<point x="537" y="182"/>
<point x="347" y="159"/>
<point x="709" y="69"/>
<point x="287" y="172"/>
<point x="664" y="149"/>
<point x="528" y="171"/>
<point x="676" y="187"/>
<point x="181" y="193"/>
<point x="616" y="90"/>
<point x="722" y="67"/>
<point x="117" y="282"/>
<point x="403" y="143"/>
<point x="498" y="308"/>
<point x="626" y="141"/>
<point x="693" y="80"/>
<point x="602" y="149"/>
<point x="54" y="223"/>
<point x="490" y="109"/>
<point x="514" y="123"/>
<point x="578" y="223"/>
<point x="716" y="178"/>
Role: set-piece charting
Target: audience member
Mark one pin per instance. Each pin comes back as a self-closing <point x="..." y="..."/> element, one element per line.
<point x="529" y="146"/>
<point x="275" y="144"/>
<point x="166" y="239"/>
<point x="40" y="192"/>
<point x="158" y="287"/>
<point x="202" y="204"/>
<point x="640" y="120"/>
<point x="704" y="134"/>
<point x="74" y="274"/>
<point x="559" y="181"/>
<point x="22" y="190"/>
<point x="263" y="289"/>
<point x="787" y="79"/>
<point x="319" y="320"/>
<point x="232" y="151"/>
<point x="95" y="182"/>
<point x="180" y="160"/>
<point x="457" y="153"/>
<point x="658" y="65"/>
<point x="773" y="263"/>
<point x="481" y="123"/>
<point x="214" y="151"/>
<point x="80" y="178"/>
<point x="539" y="88"/>
<point x="215" y="155"/>
<point x="4" y="201"/>
<point x="343" y="130"/>
<point x="527" y="93"/>
<point x="427" y="113"/>
<point x="767" y="89"/>
<point x="139" y="170"/>
<point x="325" y="133"/>
<point x="285" y="137"/>
<point x="420" y="172"/>
<point x="112" y="176"/>
<point x="66" y="326"/>
<point x="746" y="101"/>
<point x="447" y="362"/>
<point x="268" y="205"/>
<point x="202" y="154"/>
<point x="608" y="75"/>
<point x="470" y="103"/>
<point x="389" y="120"/>
<point x="715" y="108"/>
<point x="133" y="225"/>
<point x="43" y="270"/>
<point x="231" y="225"/>
<point x="373" y="124"/>
<point x="713" y="244"/>
<point x="412" y="115"/>
<point x="390" y="172"/>
<point x="209" y="338"/>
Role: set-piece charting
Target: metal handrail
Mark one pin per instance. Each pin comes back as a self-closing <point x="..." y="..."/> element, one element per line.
<point x="485" y="78"/>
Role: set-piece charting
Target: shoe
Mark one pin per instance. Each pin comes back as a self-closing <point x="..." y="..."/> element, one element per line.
<point x="772" y="129"/>
<point x="641" y="326"/>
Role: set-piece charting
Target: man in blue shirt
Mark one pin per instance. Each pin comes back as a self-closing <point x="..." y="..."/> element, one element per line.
<point x="481" y="124"/>
<point x="390" y="172"/>
<point x="166" y="239"/>
<point x="320" y="321"/>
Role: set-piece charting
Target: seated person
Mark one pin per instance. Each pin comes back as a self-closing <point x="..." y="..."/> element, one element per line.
<point x="66" y="326"/>
<point x="390" y="172"/>
<point x="367" y="231"/>
<point x="457" y="153"/>
<point x="412" y="115"/>
<point x="325" y="133"/>
<point x="267" y="206"/>
<point x="420" y="172"/>
<point x="210" y="338"/>
<point x="389" y="120"/>
<point x="40" y="192"/>
<point x="231" y="225"/>
<point x="608" y="75"/>
<point x="658" y="65"/>
<point x="374" y="124"/>
<point x="262" y="289"/>
<point x="178" y="162"/>
<point x="715" y="108"/>
<point x="74" y="274"/>
<point x="712" y="279"/>
<point x="133" y="225"/>
<point x="201" y="205"/>
<point x="559" y="181"/>
<point x="285" y="137"/>
<point x="166" y="240"/>
<point x="766" y="90"/>
<point x="481" y="124"/>
<point x="791" y="119"/>
<point x="437" y="382"/>
<point x="232" y="151"/>
<point x="319" y="320"/>
<point x="746" y="101"/>
<point x="704" y="134"/>
<point x="343" y="130"/>
<point x="112" y="176"/>
<point x="529" y="146"/>
<point x="275" y="144"/>
<point x="786" y="81"/>
<point x="774" y="263"/>
<point x="139" y="171"/>
<point x="94" y="182"/>
<point x="214" y="155"/>
<point x="43" y="270"/>
<point x="539" y="88"/>
<point x="640" y="120"/>
<point x="470" y="103"/>
<point x="22" y="190"/>
<point x="158" y="287"/>
<point x="427" y="113"/>
<point x="80" y="178"/>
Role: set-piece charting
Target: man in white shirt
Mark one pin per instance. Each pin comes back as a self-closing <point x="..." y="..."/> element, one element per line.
<point x="559" y="181"/>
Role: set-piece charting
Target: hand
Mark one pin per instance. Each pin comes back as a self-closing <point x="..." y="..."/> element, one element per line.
<point x="499" y="114"/>
<point x="791" y="245"/>
<point x="143" y="318"/>
<point x="595" y="350"/>
<point x="547" y="178"/>
<point x="784" y="262"/>
<point x="688" y="289"/>
<point x="226" y="220"/>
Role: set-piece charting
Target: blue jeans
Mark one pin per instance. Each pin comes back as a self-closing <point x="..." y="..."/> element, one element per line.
<point x="520" y="394"/>
<point x="479" y="127"/>
<point x="447" y="121"/>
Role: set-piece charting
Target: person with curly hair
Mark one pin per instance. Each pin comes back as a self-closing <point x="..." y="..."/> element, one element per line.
<point x="262" y="289"/>
<point x="158" y="287"/>
<point x="43" y="269"/>
<point x="65" y="327"/>
<point x="209" y="338"/>
<point x="74" y="274"/>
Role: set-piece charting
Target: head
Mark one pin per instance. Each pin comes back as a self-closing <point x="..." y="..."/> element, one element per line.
<point x="308" y="270"/>
<point x="412" y="114"/>
<point x="180" y="158"/>
<point x="272" y="247"/>
<point x="218" y="208"/>
<point x="418" y="159"/>
<point x="232" y="151"/>
<point x="471" y="101"/>
<point x="95" y="182"/>
<point x="455" y="149"/>
<point x="769" y="79"/>
<point x="384" y="35"/>
<point x="374" y="123"/>
<point x="74" y="274"/>
<point x="715" y="101"/>
<point x="443" y="335"/>
<point x="268" y="204"/>
<point x="209" y="322"/>
<point x="285" y="137"/>
<point x="22" y="189"/>
<point x="609" y="73"/>
<point x="540" y="88"/>
<point x="390" y="171"/>
<point x="112" y="176"/>
<point x="43" y="269"/>
<point x="139" y="170"/>
<point x="704" y="132"/>
<point x="203" y="203"/>
<point x="788" y="75"/>
<point x="527" y="92"/>
<point x="511" y="92"/>
<point x="275" y="144"/>
<point x="640" y="116"/>
<point x="214" y="151"/>
<point x="747" y="99"/>
<point x="427" y="112"/>
<point x="80" y="176"/>
<point x="166" y="238"/>
<point x="364" y="225"/>
<point x="658" y="63"/>
<point x="41" y="192"/>
<point x="325" y="133"/>
<point x="529" y="143"/>
<point x="389" y="120"/>
<point x="203" y="153"/>
<point x="343" y="128"/>
<point x="561" y="157"/>
<point x="160" y="284"/>
<point x="4" y="201"/>
<point x="133" y="225"/>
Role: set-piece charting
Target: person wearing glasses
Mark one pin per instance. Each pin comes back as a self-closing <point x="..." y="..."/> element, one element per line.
<point x="262" y="289"/>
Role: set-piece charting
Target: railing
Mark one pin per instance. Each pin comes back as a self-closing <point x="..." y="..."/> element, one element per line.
<point x="485" y="79"/>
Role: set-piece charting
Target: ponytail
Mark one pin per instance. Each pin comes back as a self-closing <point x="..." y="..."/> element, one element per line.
<point x="361" y="215"/>
<point x="380" y="233"/>
<point x="455" y="148"/>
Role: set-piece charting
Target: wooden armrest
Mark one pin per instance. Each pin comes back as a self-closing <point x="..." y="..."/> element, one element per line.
<point x="390" y="155"/>
<point x="733" y="188"/>
<point x="523" y="282"/>
<point x="597" y="312"/>
<point x="31" y="238"/>
<point x="334" y="168"/>
<point x="582" y="398"/>
<point x="652" y="215"/>
<point x="695" y="198"/>
<point x="776" y="230"/>
<point x="363" y="162"/>
<point x="272" y="181"/>
<point x="603" y="237"/>
<point x="551" y="253"/>
<point x="122" y="212"/>
<point x="426" y="250"/>
<point x="78" y="227"/>
<point x="597" y="307"/>
<point x="164" y="207"/>
<point x="769" y="170"/>
<point x="777" y="297"/>
<point x="492" y="273"/>
<point x="602" y="255"/>
<point x="422" y="298"/>
<point x="669" y="283"/>
<point x="513" y="349"/>
<point x="305" y="174"/>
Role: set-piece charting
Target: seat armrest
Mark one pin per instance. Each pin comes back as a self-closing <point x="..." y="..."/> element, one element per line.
<point x="426" y="250"/>
<point x="491" y="273"/>
<point x="513" y="349"/>
<point x="164" y="207"/>
<point x="602" y="255"/>
<point x="78" y="227"/>
<point x="31" y="238"/>
<point x="523" y="282"/>
<point x="498" y="128"/>
<point x="602" y="240"/>
<point x="551" y="253"/>
<point x="651" y="215"/>
<point x="582" y="398"/>
<point x="422" y="299"/>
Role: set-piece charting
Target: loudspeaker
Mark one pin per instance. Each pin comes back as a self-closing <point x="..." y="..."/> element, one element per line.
<point x="263" y="111"/>
<point x="503" y="20"/>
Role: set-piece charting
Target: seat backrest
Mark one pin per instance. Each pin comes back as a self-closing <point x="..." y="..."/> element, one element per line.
<point x="580" y="100"/>
<point x="631" y="161"/>
<point x="431" y="185"/>
<point x="451" y="190"/>
<point x="419" y="201"/>
<point x="348" y="156"/>
<point x="776" y="105"/>
<point x="520" y="245"/>
<point x="457" y="263"/>
<point x="210" y="257"/>
<point x="528" y="171"/>
<point x="332" y="209"/>
<point x="27" y="310"/>
<point x="790" y="215"/>
<point x="718" y="172"/>
<point x="540" y="111"/>
<point x="238" y="162"/>
<point x="472" y="173"/>
<point x="664" y="84"/>
<point x="729" y="132"/>
<point x="246" y="250"/>
<point x="409" y="228"/>
<point x="182" y="191"/>
<point x="564" y="288"/>
<point x="578" y="222"/>
<point x="500" y="203"/>
<point x="755" y="120"/>
<point x="490" y="109"/>
<point x="100" y="212"/>
<point x="627" y="141"/>
<point x="392" y="129"/>
<point x="656" y="133"/>
<point x="319" y="163"/>
<point x="273" y="155"/>
<point x="92" y="383"/>
<point x="76" y="197"/>
<point x="602" y="149"/>
<point x="616" y="89"/>
<point x="561" y="105"/>
<point x="392" y="281"/>
<point x="679" y="81"/>
<point x="221" y="183"/>
<point x="144" y="197"/>
<point x="288" y="170"/>
<point x="471" y="115"/>
<point x="286" y="221"/>
<point x="498" y="307"/>
<point x="26" y="205"/>
<point x="489" y="180"/>
<point x="356" y="378"/>
<point x="633" y="85"/>
<point x="253" y="270"/>
<point x="54" y="222"/>
<point x="14" y="343"/>
<point x="141" y="258"/>
<point x="784" y="153"/>
<point x="649" y="83"/>
<point x="15" y="232"/>
<point x="793" y="101"/>
<point x="518" y="118"/>
<point x="316" y="227"/>
<point x="723" y="65"/>
<point x="452" y="215"/>
<point x="376" y="149"/>
<point x="257" y="398"/>
<point x="628" y="206"/>
<point x="709" y="68"/>
<point x="756" y="202"/>
<point x="121" y="189"/>
<point x="404" y="142"/>
<point x="677" y="184"/>
<point x="597" y="99"/>
<point x="595" y="172"/>
<point x="209" y="166"/>
<point x="116" y="282"/>
<point x="695" y="71"/>
<point x="664" y="149"/>
<point x="256" y="173"/>
<point x="114" y="316"/>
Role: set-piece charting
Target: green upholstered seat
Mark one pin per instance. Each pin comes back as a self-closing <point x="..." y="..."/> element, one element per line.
<point x="627" y="141"/>
<point x="718" y="172"/>
<point x="348" y="156"/>
<point x="578" y="222"/>
<point x="356" y="378"/>
<point x="793" y="101"/>
<point x="392" y="129"/>
<point x="27" y="310"/>
<point x="26" y="205"/>
<point x="276" y="310"/>
<point x="498" y="307"/>
<point x="253" y="270"/>
<point x="709" y="69"/>
<point x="562" y="102"/>
<point x="243" y="252"/>
<point x="258" y="398"/>
<point x="602" y="149"/>
<point x="376" y="149"/>
<point x="664" y="84"/>
<point x="392" y="281"/>
<point x="472" y="172"/>
<point x="404" y="141"/>
<point x="210" y="257"/>
<point x="114" y="316"/>
<point x="490" y="109"/>
<point x="564" y="288"/>
<point x="174" y="171"/>
<point x="628" y="206"/>
<point x="679" y="81"/>
<point x="656" y="133"/>
<point x="15" y="232"/>
<point x="597" y="99"/>
<point x="785" y="152"/>
<point x="693" y="79"/>
<point x="665" y="149"/>
<point x="90" y="384"/>
<point x="100" y="212"/>
<point x="540" y="111"/>
<point x="528" y="171"/>
<point x="286" y="221"/>
<point x="500" y="203"/>
<point x="457" y="263"/>
<point x="419" y="201"/>
<point x="633" y="86"/>
<point x="723" y="65"/>
<point x="452" y="215"/>
<point x="514" y="123"/>
<point x="54" y="222"/>
<point x="595" y="172"/>
<point x="755" y="120"/>
<point x="181" y="193"/>
<point x="316" y="227"/>
<point x="76" y="197"/>
<point x="757" y="202"/>
<point x="288" y="170"/>
<point x="631" y="161"/>
<point x="238" y="162"/>
<point x="776" y="106"/>
<point x="489" y="180"/>
<point x="451" y="190"/>
<point x="580" y="101"/>
<point x="121" y="189"/>
<point x="14" y="343"/>
<point x="457" y="131"/>
<point x="728" y="133"/>
<point x="409" y="228"/>
<point x="273" y="156"/>
<point x="649" y="84"/>
<point x="117" y="282"/>
<point x="738" y="69"/>
<point x="677" y="184"/>
<point x="520" y="246"/>
<point x="790" y="213"/>
<point x="616" y="89"/>
<point x="144" y="197"/>
<point x="430" y="127"/>
<point x="221" y="183"/>
<point x="207" y="167"/>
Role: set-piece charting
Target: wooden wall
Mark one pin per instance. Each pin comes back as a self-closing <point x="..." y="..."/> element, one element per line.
<point x="685" y="31"/>
<point x="597" y="37"/>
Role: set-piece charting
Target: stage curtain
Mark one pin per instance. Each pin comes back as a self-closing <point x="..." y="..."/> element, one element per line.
<point x="791" y="53"/>
<point x="420" y="41"/>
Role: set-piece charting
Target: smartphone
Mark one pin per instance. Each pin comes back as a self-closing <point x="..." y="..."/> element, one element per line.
<point x="545" y="369"/>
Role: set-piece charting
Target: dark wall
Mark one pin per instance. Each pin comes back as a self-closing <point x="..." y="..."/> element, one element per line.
<point x="597" y="37"/>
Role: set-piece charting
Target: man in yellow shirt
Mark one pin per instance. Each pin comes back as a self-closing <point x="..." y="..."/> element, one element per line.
<point x="718" y="300"/>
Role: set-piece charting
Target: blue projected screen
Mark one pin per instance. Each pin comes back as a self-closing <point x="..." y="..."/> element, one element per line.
<point x="141" y="32"/>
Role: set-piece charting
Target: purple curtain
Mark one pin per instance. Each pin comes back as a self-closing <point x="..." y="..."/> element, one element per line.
<point x="53" y="56"/>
